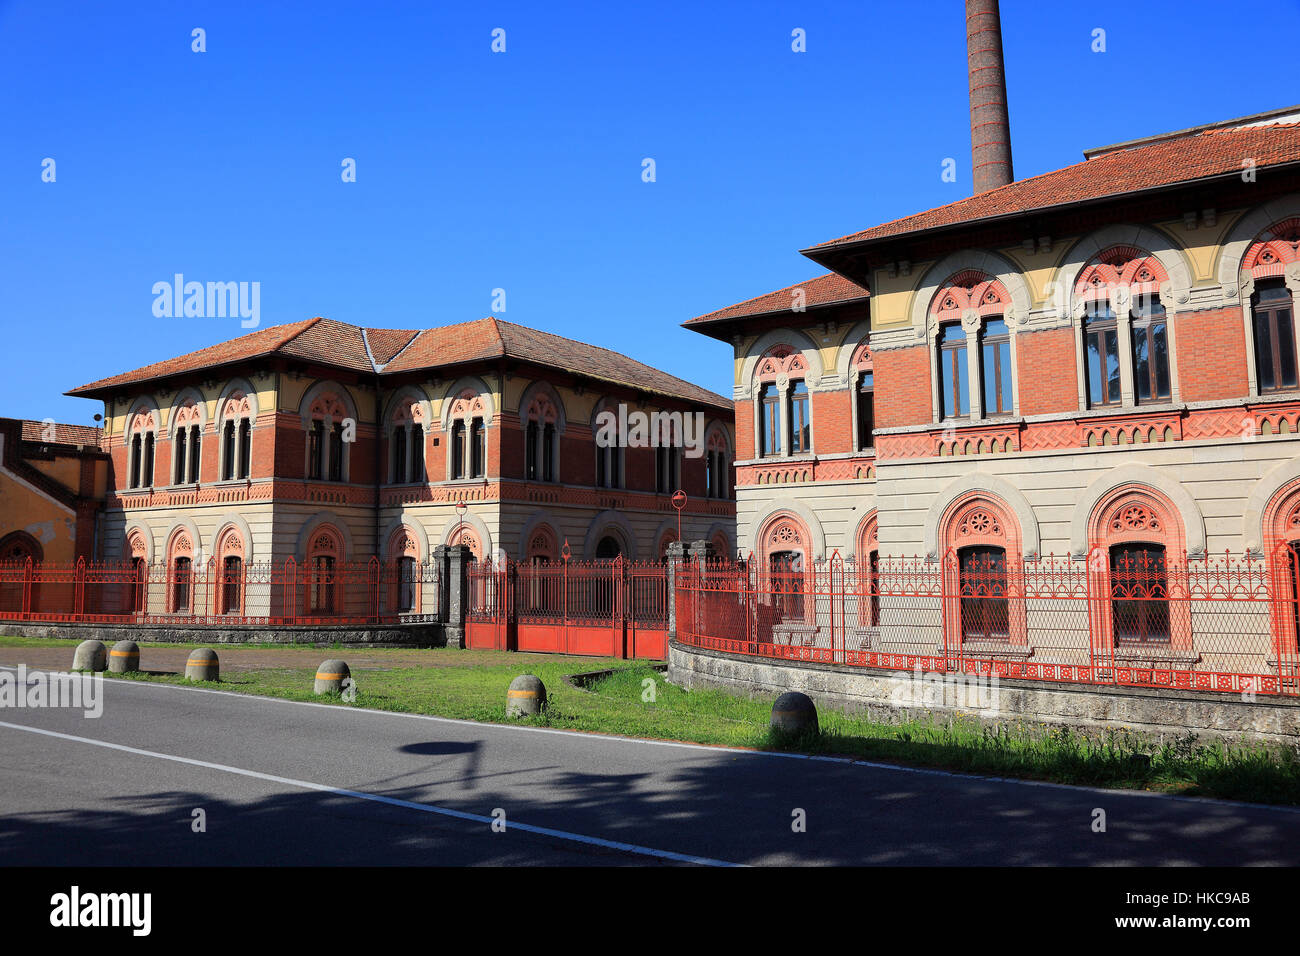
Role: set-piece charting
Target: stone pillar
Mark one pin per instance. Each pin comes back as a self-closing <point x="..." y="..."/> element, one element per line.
<point x="453" y="590"/>
<point x="702" y="550"/>
<point x="676" y="557"/>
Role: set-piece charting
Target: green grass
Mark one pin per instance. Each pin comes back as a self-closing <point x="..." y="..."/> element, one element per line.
<point x="471" y="685"/>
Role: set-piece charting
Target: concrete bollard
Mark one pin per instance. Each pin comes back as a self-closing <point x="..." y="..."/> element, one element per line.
<point x="526" y="696"/>
<point x="124" y="657"/>
<point x="794" y="713"/>
<point x="90" y="656"/>
<point x="203" y="665"/>
<point x="330" y="676"/>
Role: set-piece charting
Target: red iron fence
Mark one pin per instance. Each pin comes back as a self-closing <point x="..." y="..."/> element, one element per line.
<point x="607" y="608"/>
<point x="324" y="592"/>
<point x="1127" y="616"/>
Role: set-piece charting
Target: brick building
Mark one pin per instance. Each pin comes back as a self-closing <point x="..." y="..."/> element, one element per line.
<point x="52" y="480"/>
<point x="1100" y="357"/>
<point x="320" y="438"/>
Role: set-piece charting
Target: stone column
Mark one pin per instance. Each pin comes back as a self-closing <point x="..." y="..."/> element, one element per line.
<point x="453" y="590"/>
<point x="676" y="558"/>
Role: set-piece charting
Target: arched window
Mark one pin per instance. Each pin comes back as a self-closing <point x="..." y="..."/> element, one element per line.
<point x="187" y="443"/>
<point x="1124" y="330"/>
<point x="973" y="347"/>
<point x="230" y="568"/>
<point x="180" y="551"/>
<point x="1271" y="313"/>
<point x="781" y="408"/>
<point x="717" y="464"/>
<point x="236" y="437"/>
<point x="864" y="397"/>
<point x="608" y="548"/>
<point x="327" y="438"/>
<point x="404" y="552"/>
<point x="324" y="554"/>
<point x="785" y="562"/>
<point x="1138" y="554"/>
<point x="982" y="570"/>
<point x="610" y="456"/>
<point x="140" y="449"/>
<point x="668" y="453"/>
<point x="406" y="441"/>
<point x="867" y="567"/>
<point x="541" y="443"/>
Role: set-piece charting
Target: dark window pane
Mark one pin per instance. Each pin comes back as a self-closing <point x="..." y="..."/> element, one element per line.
<point x="982" y="583"/>
<point x="1139" y="594"/>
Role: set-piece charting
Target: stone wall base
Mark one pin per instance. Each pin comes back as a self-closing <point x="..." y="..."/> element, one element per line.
<point x="379" y="635"/>
<point x="1163" y="715"/>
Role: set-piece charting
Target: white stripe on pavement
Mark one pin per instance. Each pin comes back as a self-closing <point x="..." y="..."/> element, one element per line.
<point x="379" y="798"/>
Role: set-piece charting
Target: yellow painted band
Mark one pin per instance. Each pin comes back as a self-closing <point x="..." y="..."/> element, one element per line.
<point x="320" y="676"/>
<point x="521" y="693"/>
<point x="123" y="653"/>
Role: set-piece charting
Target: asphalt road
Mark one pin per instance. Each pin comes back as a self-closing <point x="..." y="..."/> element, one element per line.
<point x="291" y="783"/>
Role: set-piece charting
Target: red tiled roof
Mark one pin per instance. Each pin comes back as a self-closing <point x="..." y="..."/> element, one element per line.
<point x="402" y="350"/>
<point x="491" y="338"/>
<point x="823" y="290"/>
<point x="386" y="343"/>
<point x="63" y="434"/>
<point x="255" y="344"/>
<point x="1164" y="163"/>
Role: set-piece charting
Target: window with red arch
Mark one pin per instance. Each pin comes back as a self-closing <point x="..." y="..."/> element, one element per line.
<point x="862" y="370"/>
<point x="984" y="603"/>
<point x="542" y="545"/>
<point x="541" y="444"/>
<point x="187" y="444"/>
<point x="466" y="535"/>
<point x="787" y="564"/>
<point x="324" y="560"/>
<point x="330" y="432"/>
<point x="236" y="437"/>
<point x="867" y="568"/>
<point x="1138" y="559"/>
<point x="404" y="559"/>
<point x="231" y="582"/>
<point x="973" y="293"/>
<point x="140" y="437"/>
<point x="1120" y="291"/>
<point x="1272" y="305"/>
<point x="180" y="567"/>
<point x="468" y="449"/>
<point x="717" y="464"/>
<point x="781" y="408"/>
<point x="406" y="434"/>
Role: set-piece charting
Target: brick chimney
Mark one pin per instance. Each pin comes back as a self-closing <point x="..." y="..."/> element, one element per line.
<point x="990" y="131"/>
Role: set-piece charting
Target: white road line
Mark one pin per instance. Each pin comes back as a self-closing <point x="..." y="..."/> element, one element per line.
<point x="379" y="798"/>
<point x="712" y="748"/>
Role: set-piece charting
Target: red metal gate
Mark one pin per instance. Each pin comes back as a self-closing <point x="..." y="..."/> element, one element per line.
<point x="597" y="608"/>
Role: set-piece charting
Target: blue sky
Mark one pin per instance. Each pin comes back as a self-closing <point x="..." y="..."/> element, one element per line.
<point x="522" y="170"/>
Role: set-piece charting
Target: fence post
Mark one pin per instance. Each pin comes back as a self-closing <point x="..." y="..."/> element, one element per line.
<point x="374" y="589"/>
<point x="28" y="583"/>
<point x="618" y="582"/>
<point x="80" y="588"/>
<point x="453" y="562"/>
<point x="675" y="559"/>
